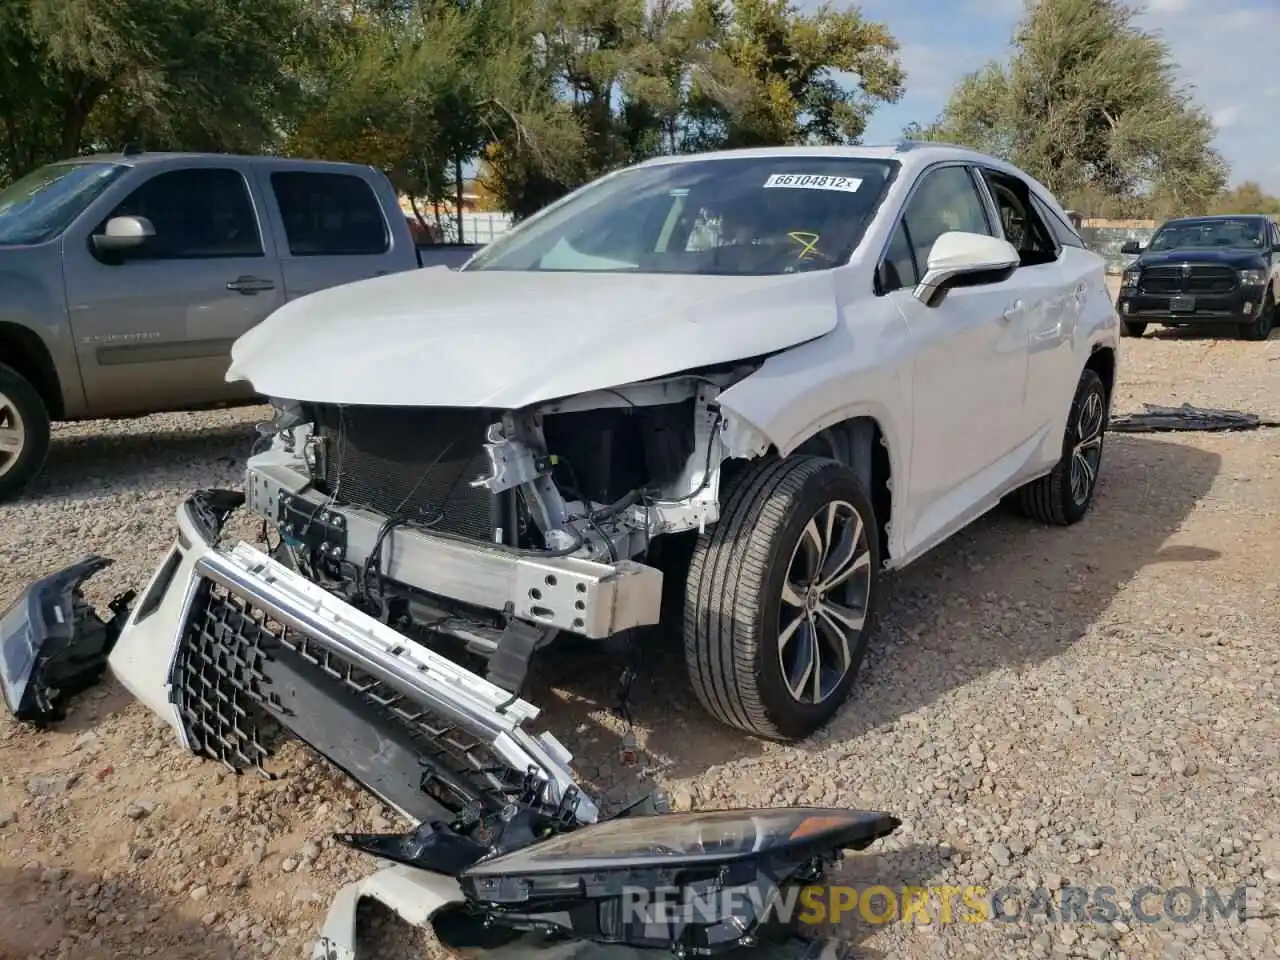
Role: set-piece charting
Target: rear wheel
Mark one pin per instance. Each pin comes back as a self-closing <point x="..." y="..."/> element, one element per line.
<point x="780" y="596"/>
<point x="1063" y="496"/>
<point x="1260" y="327"/>
<point x="1132" y="328"/>
<point x="24" y="432"/>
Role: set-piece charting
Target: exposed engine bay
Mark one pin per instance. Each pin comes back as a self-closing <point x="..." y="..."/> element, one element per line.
<point x="599" y="478"/>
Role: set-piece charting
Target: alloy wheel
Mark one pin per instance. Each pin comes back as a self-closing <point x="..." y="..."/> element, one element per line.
<point x="824" y="602"/>
<point x="1086" y="455"/>
<point x="13" y="434"/>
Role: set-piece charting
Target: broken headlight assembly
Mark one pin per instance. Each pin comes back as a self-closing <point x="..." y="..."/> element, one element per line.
<point x="693" y="883"/>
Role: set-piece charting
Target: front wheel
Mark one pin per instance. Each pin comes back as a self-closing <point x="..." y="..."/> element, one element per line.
<point x="780" y="597"/>
<point x="24" y="433"/>
<point x="1063" y="496"/>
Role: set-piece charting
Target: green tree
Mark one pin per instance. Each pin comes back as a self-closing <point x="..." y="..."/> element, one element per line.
<point x="1247" y="197"/>
<point x="673" y="76"/>
<point x="420" y="89"/>
<point x="1090" y="105"/>
<point x="195" y="74"/>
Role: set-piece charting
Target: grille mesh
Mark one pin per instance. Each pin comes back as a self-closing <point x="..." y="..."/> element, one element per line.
<point x="219" y="686"/>
<point x="1202" y="279"/>
<point x="223" y="678"/>
<point x="421" y="458"/>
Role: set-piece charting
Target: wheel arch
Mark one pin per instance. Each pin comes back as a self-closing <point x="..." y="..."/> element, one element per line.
<point x="1102" y="361"/>
<point x="860" y="443"/>
<point x="25" y="352"/>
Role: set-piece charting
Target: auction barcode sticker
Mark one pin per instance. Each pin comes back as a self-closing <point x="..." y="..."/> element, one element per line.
<point x="808" y="181"/>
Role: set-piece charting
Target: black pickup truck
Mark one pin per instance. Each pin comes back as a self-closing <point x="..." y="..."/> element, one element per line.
<point x="1210" y="270"/>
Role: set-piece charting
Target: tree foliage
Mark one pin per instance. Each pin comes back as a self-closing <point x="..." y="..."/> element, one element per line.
<point x="194" y="74"/>
<point x="1089" y="104"/>
<point x="548" y="94"/>
<point x="645" y="79"/>
<point x="1248" y="197"/>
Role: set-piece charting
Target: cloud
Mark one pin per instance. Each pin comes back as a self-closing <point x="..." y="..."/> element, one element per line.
<point x="1228" y="115"/>
<point x="1223" y="53"/>
<point x="933" y="69"/>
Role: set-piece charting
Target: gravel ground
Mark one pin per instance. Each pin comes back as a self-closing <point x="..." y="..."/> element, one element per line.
<point x="1095" y="706"/>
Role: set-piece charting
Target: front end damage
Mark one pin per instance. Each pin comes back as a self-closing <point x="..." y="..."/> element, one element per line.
<point x="404" y="530"/>
<point x="508" y="856"/>
<point x="501" y="529"/>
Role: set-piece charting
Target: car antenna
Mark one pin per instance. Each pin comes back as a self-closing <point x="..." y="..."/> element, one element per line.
<point x="131" y="149"/>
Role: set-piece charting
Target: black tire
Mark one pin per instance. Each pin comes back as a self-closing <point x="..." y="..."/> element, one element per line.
<point x="1055" y="499"/>
<point x="21" y="410"/>
<point x="734" y="606"/>
<point x="1260" y="327"/>
<point x="1132" y="328"/>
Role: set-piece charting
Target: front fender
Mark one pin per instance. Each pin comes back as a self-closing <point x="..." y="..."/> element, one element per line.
<point x="860" y="369"/>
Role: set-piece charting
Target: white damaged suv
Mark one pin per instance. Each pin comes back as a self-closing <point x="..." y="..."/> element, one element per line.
<point x="720" y="392"/>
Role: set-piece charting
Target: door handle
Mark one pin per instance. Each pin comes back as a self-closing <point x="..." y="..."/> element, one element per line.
<point x="1012" y="312"/>
<point x="250" y="285"/>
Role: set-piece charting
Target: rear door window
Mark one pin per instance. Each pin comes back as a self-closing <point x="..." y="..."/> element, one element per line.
<point x="330" y="215"/>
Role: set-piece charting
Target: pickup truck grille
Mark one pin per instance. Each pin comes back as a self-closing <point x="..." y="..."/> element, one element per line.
<point x="1202" y="278"/>
<point x="417" y="462"/>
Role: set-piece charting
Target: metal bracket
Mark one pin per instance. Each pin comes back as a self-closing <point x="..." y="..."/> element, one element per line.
<point x="310" y="527"/>
<point x="511" y="462"/>
<point x="509" y="664"/>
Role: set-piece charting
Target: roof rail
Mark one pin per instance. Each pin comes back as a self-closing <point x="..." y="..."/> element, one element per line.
<point x="903" y="146"/>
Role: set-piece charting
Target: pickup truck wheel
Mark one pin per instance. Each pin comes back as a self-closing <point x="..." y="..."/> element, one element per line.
<point x="24" y="432"/>
<point x="1132" y="328"/>
<point x="1063" y="496"/>
<point x="1260" y="327"/>
<point x="780" y="594"/>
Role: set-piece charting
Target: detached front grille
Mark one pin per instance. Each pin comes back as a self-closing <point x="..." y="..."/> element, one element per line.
<point x="1198" y="279"/>
<point x="414" y="462"/>
<point x="240" y="676"/>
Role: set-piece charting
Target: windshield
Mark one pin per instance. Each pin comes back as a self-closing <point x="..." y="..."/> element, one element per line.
<point x="42" y="204"/>
<point x="738" y="216"/>
<point x="1200" y="234"/>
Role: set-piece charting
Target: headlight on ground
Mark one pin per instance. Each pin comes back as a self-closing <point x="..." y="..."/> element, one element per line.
<point x="691" y="838"/>
<point x="1253" y="278"/>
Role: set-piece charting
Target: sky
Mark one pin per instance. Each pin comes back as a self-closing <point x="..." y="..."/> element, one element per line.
<point x="1226" y="51"/>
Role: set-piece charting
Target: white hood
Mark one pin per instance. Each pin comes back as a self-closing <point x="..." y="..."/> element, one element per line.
<point x="499" y="339"/>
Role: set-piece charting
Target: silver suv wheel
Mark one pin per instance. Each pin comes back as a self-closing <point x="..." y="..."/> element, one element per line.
<point x="13" y="434"/>
<point x="824" y="602"/>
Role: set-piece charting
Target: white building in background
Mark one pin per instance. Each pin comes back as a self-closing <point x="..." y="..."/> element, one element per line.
<point x="477" y="226"/>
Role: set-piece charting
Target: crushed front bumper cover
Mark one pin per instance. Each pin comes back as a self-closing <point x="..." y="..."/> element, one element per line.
<point x="230" y="646"/>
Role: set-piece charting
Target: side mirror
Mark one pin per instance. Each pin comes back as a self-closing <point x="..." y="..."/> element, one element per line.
<point x="965" y="260"/>
<point x="1131" y="248"/>
<point x="123" y="233"/>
